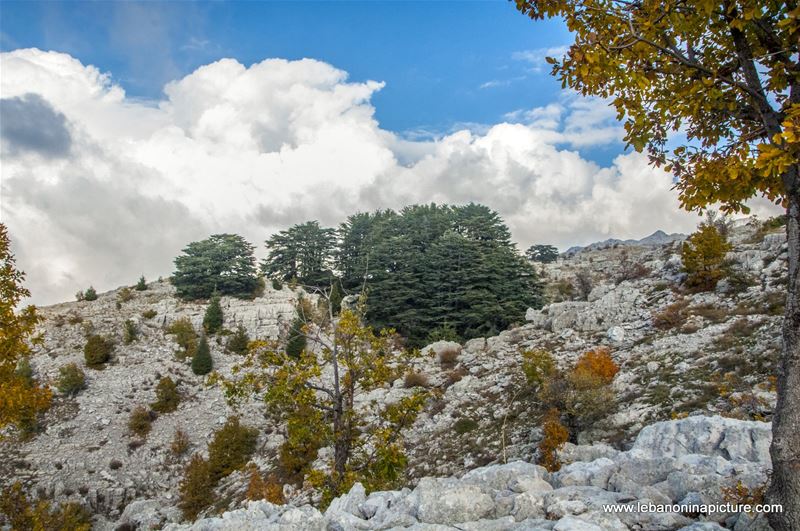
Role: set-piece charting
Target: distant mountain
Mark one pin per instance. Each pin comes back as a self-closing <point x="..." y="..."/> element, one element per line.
<point x="659" y="237"/>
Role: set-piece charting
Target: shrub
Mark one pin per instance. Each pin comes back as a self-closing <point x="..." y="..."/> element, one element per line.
<point x="296" y="342"/>
<point x="125" y="294"/>
<point x="141" y="285"/>
<point x="149" y="314"/>
<point x="25" y="371"/>
<point x="21" y="514"/>
<point x="260" y="488"/>
<point x="583" y="284"/>
<point x="180" y="443"/>
<point x="202" y="362"/>
<point x="445" y="332"/>
<point x="197" y="488"/>
<point x="115" y="464"/>
<point x="167" y="396"/>
<point x="703" y="254"/>
<point x="231" y="448"/>
<point x="90" y="294"/>
<point x="276" y="284"/>
<point x="463" y="426"/>
<point x="74" y="318"/>
<point x="185" y="336"/>
<point x="537" y="365"/>
<point x="238" y="342"/>
<point x="212" y="321"/>
<point x="140" y="421"/>
<point x="130" y="332"/>
<point x="80" y="296"/>
<point x="448" y="357"/>
<point x="596" y="364"/>
<point x="71" y="379"/>
<point x="97" y="351"/>
<point x="555" y="435"/>
<point x="671" y="317"/>
<point x="415" y="379"/>
<point x="303" y="441"/>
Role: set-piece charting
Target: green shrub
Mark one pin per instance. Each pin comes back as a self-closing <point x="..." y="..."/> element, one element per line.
<point x="212" y="321"/>
<point x="140" y="421"/>
<point x="202" y="362"/>
<point x="167" y="396"/>
<point x="90" y="294"/>
<point x="130" y="332"/>
<point x="196" y="489"/>
<point x="97" y="351"/>
<point x="277" y="284"/>
<point x="149" y="314"/>
<point x="445" y="332"/>
<point x="231" y="448"/>
<point x="185" y="336"/>
<point x="463" y="426"/>
<point x="296" y="342"/>
<point x="537" y="365"/>
<point x="71" y="379"/>
<point x="141" y="285"/>
<point x="25" y="371"/>
<point x="238" y="342"/>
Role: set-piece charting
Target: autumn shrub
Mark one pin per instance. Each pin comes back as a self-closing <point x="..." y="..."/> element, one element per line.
<point x="149" y="314"/>
<point x="537" y="365"/>
<point x="130" y="332"/>
<point x="415" y="379"/>
<point x="180" y="443"/>
<point x="554" y="437"/>
<point x="185" y="336"/>
<point x="264" y="488"/>
<point x="671" y="317"/>
<point x="448" y="357"/>
<point x="167" y="396"/>
<point x="22" y="514"/>
<point x="71" y="379"/>
<point x="703" y="254"/>
<point x="196" y="488"/>
<point x="125" y="294"/>
<point x="140" y="421"/>
<point x="597" y="365"/>
<point x="582" y="394"/>
<point x="231" y="448"/>
<point x="97" y="351"/>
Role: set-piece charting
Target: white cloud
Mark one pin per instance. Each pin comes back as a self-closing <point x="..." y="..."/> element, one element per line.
<point x="536" y="58"/>
<point x="252" y="150"/>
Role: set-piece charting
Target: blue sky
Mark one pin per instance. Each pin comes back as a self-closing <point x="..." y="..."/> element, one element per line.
<point x="445" y="64"/>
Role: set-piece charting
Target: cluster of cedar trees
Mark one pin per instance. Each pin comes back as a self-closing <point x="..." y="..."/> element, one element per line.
<point x="430" y="271"/>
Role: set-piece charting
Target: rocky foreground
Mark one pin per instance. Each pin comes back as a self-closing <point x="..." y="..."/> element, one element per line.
<point x="697" y="460"/>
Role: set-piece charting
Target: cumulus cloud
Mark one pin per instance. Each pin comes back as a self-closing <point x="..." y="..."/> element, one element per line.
<point x="29" y="124"/>
<point x="252" y="150"/>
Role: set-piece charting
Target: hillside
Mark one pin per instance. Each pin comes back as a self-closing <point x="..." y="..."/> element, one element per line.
<point x="684" y="358"/>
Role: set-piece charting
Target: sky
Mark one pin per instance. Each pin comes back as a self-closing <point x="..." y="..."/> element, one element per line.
<point x="129" y="129"/>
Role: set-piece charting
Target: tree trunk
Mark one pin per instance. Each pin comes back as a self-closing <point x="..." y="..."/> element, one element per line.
<point x="785" y="449"/>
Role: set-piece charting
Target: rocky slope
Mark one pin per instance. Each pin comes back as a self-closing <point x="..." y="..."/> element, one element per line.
<point x="695" y="355"/>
